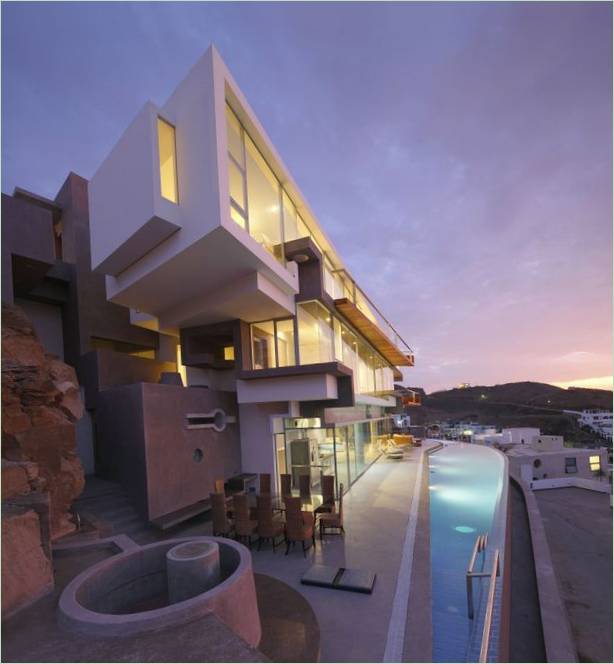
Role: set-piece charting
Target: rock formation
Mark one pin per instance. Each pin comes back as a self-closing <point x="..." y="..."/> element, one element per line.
<point x="40" y="405"/>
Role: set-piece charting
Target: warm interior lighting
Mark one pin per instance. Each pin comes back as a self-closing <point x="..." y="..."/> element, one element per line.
<point x="229" y="353"/>
<point x="595" y="463"/>
<point x="168" y="165"/>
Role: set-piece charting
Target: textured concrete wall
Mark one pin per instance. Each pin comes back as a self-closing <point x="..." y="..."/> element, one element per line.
<point x="145" y="443"/>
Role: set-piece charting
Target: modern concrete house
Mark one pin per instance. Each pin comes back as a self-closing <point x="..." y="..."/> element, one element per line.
<point x="215" y="328"/>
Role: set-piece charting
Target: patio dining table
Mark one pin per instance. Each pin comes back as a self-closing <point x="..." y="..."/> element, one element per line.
<point x="308" y="504"/>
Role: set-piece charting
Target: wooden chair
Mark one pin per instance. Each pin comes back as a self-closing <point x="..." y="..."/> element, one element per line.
<point x="328" y="494"/>
<point x="268" y="527"/>
<point x="244" y="526"/>
<point x="333" y="520"/>
<point x="265" y="483"/>
<point x="221" y="524"/>
<point x="304" y="486"/>
<point x="299" y="525"/>
<point x="286" y="484"/>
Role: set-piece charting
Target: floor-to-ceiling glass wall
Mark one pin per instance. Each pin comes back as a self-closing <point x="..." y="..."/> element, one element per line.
<point x="344" y="450"/>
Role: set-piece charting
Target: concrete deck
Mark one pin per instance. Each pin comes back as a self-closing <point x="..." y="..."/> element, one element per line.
<point x="578" y="525"/>
<point x="353" y="627"/>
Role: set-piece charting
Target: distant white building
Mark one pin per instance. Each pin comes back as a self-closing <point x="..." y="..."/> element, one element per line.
<point x="599" y="421"/>
<point x="521" y="435"/>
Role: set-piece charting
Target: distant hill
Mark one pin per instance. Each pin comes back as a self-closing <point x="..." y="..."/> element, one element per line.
<point x="515" y="404"/>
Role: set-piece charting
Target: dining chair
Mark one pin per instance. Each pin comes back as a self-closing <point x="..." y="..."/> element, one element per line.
<point x="269" y="528"/>
<point x="286" y="484"/>
<point x="299" y="525"/>
<point x="328" y="494"/>
<point x="333" y="520"/>
<point x="304" y="486"/>
<point x="220" y="521"/>
<point x="265" y="483"/>
<point x="245" y="527"/>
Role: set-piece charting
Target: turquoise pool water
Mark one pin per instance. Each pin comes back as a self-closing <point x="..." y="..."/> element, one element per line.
<point x="465" y="485"/>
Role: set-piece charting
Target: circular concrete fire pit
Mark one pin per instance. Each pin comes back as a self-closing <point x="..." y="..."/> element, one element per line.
<point x="129" y="593"/>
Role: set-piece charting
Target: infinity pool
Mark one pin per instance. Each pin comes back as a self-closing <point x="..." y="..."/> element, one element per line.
<point x="466" y="483"/>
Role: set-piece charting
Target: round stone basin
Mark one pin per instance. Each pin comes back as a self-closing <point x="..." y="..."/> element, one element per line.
<point x="127" y="593"/>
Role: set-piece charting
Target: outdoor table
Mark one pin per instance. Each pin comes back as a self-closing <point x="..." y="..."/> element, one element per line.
<point x="308" y="504"/>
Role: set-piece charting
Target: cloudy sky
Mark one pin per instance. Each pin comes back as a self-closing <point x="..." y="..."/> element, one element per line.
<point x="459" y="155"/>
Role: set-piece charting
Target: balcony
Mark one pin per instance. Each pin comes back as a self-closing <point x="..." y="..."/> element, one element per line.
<point x="360" y="311"/>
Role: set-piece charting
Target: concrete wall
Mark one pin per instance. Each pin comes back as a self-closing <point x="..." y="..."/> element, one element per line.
<point x="27" y="233"/>
<point x="552" y="464"/>
<point x="257" y="447"/>
<point x="46" y="320"/>
<point x="146" y="444"/>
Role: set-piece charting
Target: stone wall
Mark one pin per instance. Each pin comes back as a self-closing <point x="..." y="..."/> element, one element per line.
<point x="40" y="405"/>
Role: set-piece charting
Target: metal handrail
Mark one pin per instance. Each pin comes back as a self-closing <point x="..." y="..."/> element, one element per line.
<point x="355" y="287"/>
<point x="480" y="545"/>
<point x="490" y="606"/>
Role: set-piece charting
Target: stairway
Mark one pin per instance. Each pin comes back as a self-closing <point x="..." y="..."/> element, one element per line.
<point x="111" y="507"/>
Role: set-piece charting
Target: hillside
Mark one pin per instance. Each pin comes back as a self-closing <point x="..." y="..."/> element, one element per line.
<point x="515" y="404"/>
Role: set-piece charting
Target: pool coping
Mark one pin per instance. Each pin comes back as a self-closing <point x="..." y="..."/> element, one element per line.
<point x="558" y="641"/>
<point x="419" y="625"/>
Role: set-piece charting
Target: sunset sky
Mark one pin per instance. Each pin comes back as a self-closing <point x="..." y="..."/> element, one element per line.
<point x="458" y="155"/>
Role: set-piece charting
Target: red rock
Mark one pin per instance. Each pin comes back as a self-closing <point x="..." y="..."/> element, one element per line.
<point x="27" y="570"/>
<point x="41" y="402"/>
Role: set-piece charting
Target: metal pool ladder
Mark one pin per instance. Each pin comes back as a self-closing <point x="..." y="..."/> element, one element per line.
<point x="480" y="545"/>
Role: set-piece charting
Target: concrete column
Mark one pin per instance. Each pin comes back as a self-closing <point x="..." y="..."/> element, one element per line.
<point x="192" y="568"/>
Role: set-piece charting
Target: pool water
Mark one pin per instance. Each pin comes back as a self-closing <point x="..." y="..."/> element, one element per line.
<point x="465" y="482"/>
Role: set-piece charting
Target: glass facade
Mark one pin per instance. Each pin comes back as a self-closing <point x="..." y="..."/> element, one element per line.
<point x="258" y="202"/>
<point x="344" y="451"/>
<point x="322" y="337"/>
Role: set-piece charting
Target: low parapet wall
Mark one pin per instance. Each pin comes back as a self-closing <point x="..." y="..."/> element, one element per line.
<point x="558" y="641"/>
<point x="577" y="482"/>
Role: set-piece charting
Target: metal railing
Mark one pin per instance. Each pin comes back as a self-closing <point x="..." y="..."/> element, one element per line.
<point x="480" y="545"/>
<point x="490" y="607"/>
<point x="344" y="286"/>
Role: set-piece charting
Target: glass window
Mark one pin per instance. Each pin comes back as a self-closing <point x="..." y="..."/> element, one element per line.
<point x="263" y="193"/>
<point x="285" y="342"/>
<point x="263" y="345"/>
<point x="229" y="353"/>
<point x="236" y="184"/>
<point x="235" y="143"/>
<point x="571" y="465"/>
<point x="315" y="333"/>
<point x="290" y="219"/>
<point x="168" y="165"/>
<point x="595" y="463"/>
<point x="338" y="330"/>
<point x="237" y="216"/>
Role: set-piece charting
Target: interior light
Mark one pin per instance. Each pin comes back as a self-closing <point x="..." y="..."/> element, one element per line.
<point x="300" y="258"/>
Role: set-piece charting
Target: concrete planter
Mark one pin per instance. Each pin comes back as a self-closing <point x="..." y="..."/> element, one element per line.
<point x="127" y="594"/>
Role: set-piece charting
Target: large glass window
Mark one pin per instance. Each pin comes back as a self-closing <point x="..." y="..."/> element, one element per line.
<point x="315" y="333"/>
<point x="284" y="330"/>
<point x="168" y="161"/>
<point x="263" y="194"/>
<point x="263" y="345"/>
<point x="258" y="202"/>
<point x="266" y="353"/>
